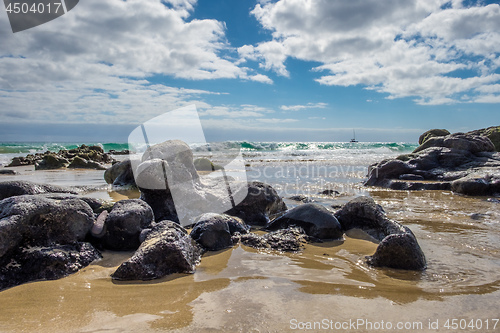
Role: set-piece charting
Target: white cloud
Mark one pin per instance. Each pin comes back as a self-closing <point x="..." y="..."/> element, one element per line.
<point x="302" y="107"/>
<point x="93" y="63"/>
<point x="420" y="49"/>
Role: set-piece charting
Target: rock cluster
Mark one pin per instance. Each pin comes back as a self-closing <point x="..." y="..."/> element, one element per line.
<point x="87" y="157"/>
<point x="466" y="163"/>
<point x="47" y="232"/>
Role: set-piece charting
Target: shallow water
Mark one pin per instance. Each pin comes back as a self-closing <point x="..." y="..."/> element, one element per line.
<point x="245" y="290"/>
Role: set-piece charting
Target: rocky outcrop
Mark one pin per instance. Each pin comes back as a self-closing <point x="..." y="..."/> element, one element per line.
<point x="431" y="134"/>
<point x="81" y="163"/>
<point x="439" y="164"/>
<point x="41" y="237"/>
<point x="283" y="240"/>
<point x="167" y="249"/>
<point x="51" y="162"/>
<point x="120" y="174"/>
<point x="214" y="231"/>
<point x="398" y="247"/>
<point x="492" y="133"/>
<point x="316" y="220"/>
<point x="89" y="157"/>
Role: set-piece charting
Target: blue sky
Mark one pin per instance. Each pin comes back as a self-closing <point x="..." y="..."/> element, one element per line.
<point x="287" y="70"/>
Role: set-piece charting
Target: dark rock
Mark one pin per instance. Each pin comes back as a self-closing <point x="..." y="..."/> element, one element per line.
<point x="329" y="192"/>
<point x="431" y="134"/>
<point x="32" y="220"/>
<point x="440" y="161"/>
<point x="124" y="224"/>
<point x="300" y="197"/>
<point x="45" y="263"/>
<point x="398" y="246"/>
<point x="51" y="162"/>
<point x="399" y="251"/>
<point x="475" y="185"/>
<point x="21" y="187"/>
<point x="214" y="231"/>
<point x="261" y="204"/>
<point x="167" y="249"/>
<point x="7" y="172"/>
<point x="284" y="240"/>
<point x="81" y="163"/>
<point x="19" y="161"/>
<point x="410" y="176"/>
<point x="120" y="174"/>
<point x="316" y="220"/>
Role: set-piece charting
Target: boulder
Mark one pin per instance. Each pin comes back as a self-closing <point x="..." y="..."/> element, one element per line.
<point x="22" y="187"/>
<point x="51" y="162"/>
<point x="214" y="231"/>
<point x="283" y="240"/>
<point x="204" y="164"/>
<point x="261" y="204"/>
<point x="167" y="249"/>
<point x="316" y="220"/>
<point x="7" y="172"/>
<point x="81" y="163"/>
<point x="45" y="263"/>
<point x="431" y="134"/>
<point x="120" y="174"/>
<point x="32" y="220"/>
<point x="124" y="224"/>
<point x="398" y="247"/>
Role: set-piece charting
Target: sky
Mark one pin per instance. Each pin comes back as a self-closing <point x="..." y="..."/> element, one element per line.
<point x="256" y="70"/>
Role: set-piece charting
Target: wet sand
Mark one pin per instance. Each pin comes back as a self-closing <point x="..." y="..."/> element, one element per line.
<point x="245" y="290"/>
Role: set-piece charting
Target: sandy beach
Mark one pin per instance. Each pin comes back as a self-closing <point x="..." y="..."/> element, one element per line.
<point x="246" y="290"/>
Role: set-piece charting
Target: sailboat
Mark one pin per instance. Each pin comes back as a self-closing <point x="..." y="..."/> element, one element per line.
<point x="353" y="136"/>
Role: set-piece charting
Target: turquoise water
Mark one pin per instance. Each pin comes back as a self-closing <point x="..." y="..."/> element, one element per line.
<point x="359" y="153"/>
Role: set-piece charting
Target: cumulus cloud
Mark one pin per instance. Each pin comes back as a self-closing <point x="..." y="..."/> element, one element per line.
<point x="302" y="107"/>
<point x="100" y="56"/>
<point x="436" y="51"/>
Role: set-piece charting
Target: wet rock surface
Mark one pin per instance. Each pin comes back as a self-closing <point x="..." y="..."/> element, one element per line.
<point x="20" y="187"/>
<point x="283" y="240"/>
<point x="214" y="231"/>
<point x="45" y="263"/>
<point x="464" y="163"/>
<point x="316" y="220"/>
<point x="398" y="247"/>
<point x="41" y="237"/>
<point x="261" y="204"/>
<point x="167" y="249"/>
<point x="123" y="225"/>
